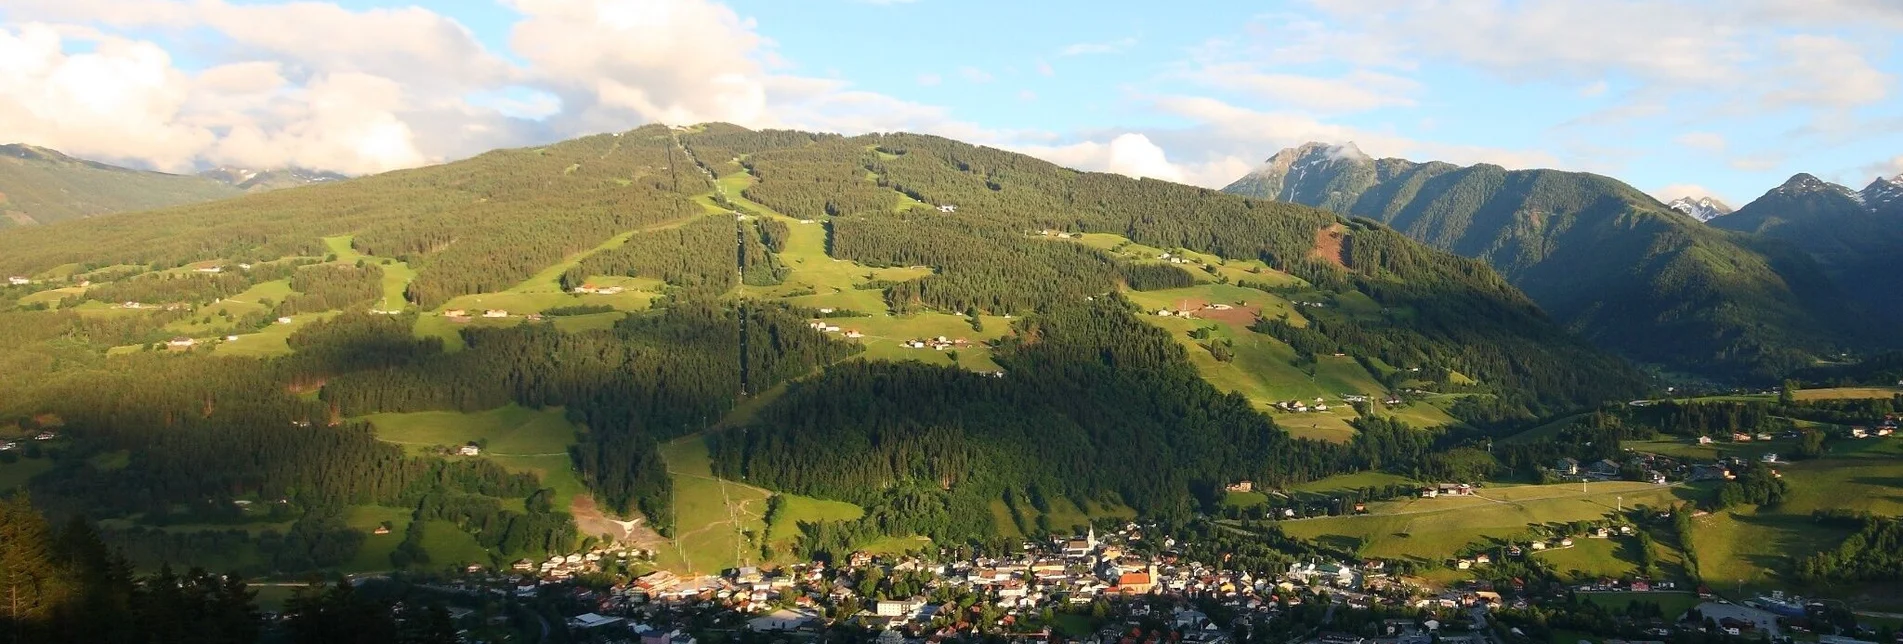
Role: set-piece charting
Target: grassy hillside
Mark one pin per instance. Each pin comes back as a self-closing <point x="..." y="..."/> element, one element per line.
<point x="660" y="285"/>
<point x="41" y="186"/>
<point x="1603" y="258"/>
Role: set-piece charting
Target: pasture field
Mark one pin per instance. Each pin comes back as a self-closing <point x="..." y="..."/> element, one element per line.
<point x="1349" y="482"/>
<point x="269" y="341"/>
<point x="518" y="303"/>
<point x="1671" y="604"/>
<point x="396" y="275"/>
<point x="796" y="509"/>
<point x="1756" y="548"/>
<point x="884" y="335"/>
<point x="15" y="475"/>
<point x="548" y="280"/>
<point x="517" y="438"/>
<point x="1262" y="368"/>
<point x="50" y="297"/>
<point x="715" y="520"/>
<point x="374" y="555"/>
<point x="1431" y="529"/>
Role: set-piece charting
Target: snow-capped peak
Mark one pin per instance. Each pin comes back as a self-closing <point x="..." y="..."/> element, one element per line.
<point x="1702" y="209"/>
<point x="1883" y="193"/>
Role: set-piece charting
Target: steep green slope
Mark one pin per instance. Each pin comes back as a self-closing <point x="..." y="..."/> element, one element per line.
<point x="1601" y="257"/>
<point x="737" y="241"/>
<point x="41" y="186"/>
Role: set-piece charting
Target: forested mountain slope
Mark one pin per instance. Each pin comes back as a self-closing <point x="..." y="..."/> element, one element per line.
<point x="1856" y="236"/>
<point x="40" y="186"/>
<point x="1603" y="258"/>
<point x="660" y="283"/>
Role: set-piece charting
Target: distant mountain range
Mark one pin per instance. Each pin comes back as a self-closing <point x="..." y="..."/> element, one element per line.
<point x="42" y="186"/>
<point x="1631" y="273"/>
<point x="1855" y="235"/>
<point x="250" y="180"/>
<point x="1702" y="209"/>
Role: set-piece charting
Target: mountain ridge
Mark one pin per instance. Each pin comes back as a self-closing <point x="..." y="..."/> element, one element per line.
<point x="1604" y="258"/>
<point x="40" y="185"/>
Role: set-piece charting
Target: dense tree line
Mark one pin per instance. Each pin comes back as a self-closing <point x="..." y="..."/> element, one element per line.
<point x="332" y="287"/>
<point x="68" y="586"/>
<point x="815" y="181"/>
<point x="651" y="378"/>
<point x="697" y="257"/>
<point x="1873" y="553"/>
<point x="1086" y="384"/>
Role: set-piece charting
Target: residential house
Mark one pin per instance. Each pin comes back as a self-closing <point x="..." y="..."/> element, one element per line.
<point x="1568" y="466"/>
<point x="18" y="281"/>
<point x="948" y="208"/>
<point x="181" y="342"/>
<point x="455" y="313"/>
<point x="495" y="313"/>
<point x="469" y="449"/>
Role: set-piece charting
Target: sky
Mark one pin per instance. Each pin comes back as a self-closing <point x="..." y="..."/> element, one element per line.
<point x="1724" y="98"/>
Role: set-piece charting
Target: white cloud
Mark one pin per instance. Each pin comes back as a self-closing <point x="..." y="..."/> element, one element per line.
<point x="1596" y="89"/>
<point x="1091" y="48"/>
<point x="1044" y="69"/>
<point x="1680" y="190"/>
<point x="1027" y="95"/>
<point x="1127" y="154"/>
<point x="1702" y="141"/>
<point x="1892" y="168"/>
<point x="1825" y="71"/>
<point x="930" y="80"/>
<point x="1356" y="91"/>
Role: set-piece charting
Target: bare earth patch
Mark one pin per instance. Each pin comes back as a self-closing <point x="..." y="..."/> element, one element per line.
<point x="1329" y="243"/>
<point x="591" y="521"/>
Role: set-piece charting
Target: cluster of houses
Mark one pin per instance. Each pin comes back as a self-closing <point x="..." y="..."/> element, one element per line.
<point x="1059" y="234"/>
<point x="1300" y="407"/>
<point x="1447" y="489"/>
<point x="1187" y="311"/>
<point x="939" y="343"/>
<point x="823" y="326"/>
<point x="460" y="315"/>
<point x="10" y="445"/>
<point x="1886" y="428"/>
<point x="18" y="281"/>
<point x="590" y="289"/>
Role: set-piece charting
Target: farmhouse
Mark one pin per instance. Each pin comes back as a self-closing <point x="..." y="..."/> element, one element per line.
<point x="211" y="270"/>
<point x="495" y="313"/>
<point x="1567" y="466"/>
<point x="1241" y="486"/>
<point x="948" y="208"/>
<point x="284" y="320"/>
<point x="181" y="342"/>
<point x="19" y="281"/>
<point x="470" y="449"/>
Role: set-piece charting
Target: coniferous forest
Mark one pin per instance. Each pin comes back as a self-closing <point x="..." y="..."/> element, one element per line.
<point x="172" y="450"/>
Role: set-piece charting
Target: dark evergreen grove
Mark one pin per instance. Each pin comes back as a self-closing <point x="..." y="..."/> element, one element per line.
<point x="1095" y="404"/>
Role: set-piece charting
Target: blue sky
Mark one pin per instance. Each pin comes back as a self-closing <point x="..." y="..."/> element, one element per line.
<point x="1726" y="98"/>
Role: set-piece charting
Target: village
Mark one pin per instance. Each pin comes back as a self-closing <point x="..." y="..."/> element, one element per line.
<point x="1124" y="587"/>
